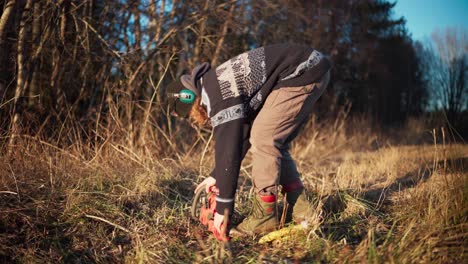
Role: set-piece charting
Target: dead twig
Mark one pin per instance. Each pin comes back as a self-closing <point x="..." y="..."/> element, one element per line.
<point x="8" y="192"/>
<point x="108" y="222"/>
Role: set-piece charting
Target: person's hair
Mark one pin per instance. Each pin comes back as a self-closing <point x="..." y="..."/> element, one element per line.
<point x="198" y="113"/>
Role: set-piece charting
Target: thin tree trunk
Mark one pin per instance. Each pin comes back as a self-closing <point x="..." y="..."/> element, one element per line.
<point x="159" y="59"/>
<point x="36" y="28"/>
<point x="161" y="21"/>
<point x="137" y="26"/>
<point x="4" y="23"/>
<point x="153" y="22"/>
<point x="220" y="43"/>
<point x="7" y="12"/>
<point x="20" y="77"/>
<point x="201" y="33"/>
<point x="21" y="56"/>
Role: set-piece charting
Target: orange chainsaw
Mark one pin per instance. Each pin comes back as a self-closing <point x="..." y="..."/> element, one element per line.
<point x="204" y="208"/>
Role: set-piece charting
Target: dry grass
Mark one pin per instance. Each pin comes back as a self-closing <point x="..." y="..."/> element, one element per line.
<point x="379" y="202"/>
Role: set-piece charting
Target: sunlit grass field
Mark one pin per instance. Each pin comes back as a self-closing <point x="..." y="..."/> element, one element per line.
<point x="393" y="198"/>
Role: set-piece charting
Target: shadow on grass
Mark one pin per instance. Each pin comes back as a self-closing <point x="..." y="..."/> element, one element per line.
<point x="32" y="230"/>
<point x="354" y="228"/>
<point x="412" y="179"/>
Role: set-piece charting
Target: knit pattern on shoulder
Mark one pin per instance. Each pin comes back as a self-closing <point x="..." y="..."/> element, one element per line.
<point x="314" y="59"/>
<point x="242" y="75"/>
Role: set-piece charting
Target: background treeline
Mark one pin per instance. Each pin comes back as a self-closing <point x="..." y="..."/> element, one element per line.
<point x="94" y="69"/>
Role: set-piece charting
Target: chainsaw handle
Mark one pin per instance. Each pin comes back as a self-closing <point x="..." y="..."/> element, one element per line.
<point x="203" y="210"/>
<point x="195" y="210"/>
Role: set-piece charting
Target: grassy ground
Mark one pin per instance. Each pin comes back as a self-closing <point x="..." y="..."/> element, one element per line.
<point x="375" y="201"/>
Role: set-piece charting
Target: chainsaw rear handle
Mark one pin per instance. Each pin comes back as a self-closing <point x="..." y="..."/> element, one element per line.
<point x="196" y="203"/>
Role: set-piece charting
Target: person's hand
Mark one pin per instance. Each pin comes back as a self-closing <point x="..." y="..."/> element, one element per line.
<point x="220" y="228"/>
<point x="218" y="222"/>
<point x="208" y="183"/>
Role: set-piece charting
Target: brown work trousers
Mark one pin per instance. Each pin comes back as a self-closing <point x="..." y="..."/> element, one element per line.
<point x="275" y="126"/>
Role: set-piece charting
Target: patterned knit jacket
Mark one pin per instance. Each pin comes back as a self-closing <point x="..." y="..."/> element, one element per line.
<point x="233" y="94"/>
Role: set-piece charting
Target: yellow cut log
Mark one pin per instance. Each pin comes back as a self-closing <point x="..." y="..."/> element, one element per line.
<point x="279" y="234"/>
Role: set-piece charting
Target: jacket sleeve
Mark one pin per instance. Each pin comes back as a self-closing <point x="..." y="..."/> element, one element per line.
<point x="229" y="139"/>
<point x="245" y="143"/>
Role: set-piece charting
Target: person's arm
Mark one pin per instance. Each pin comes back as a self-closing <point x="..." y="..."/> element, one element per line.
<point x="245" y="142"/>
<point x="229" y="138"/>
<point x="246" y="127"/>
